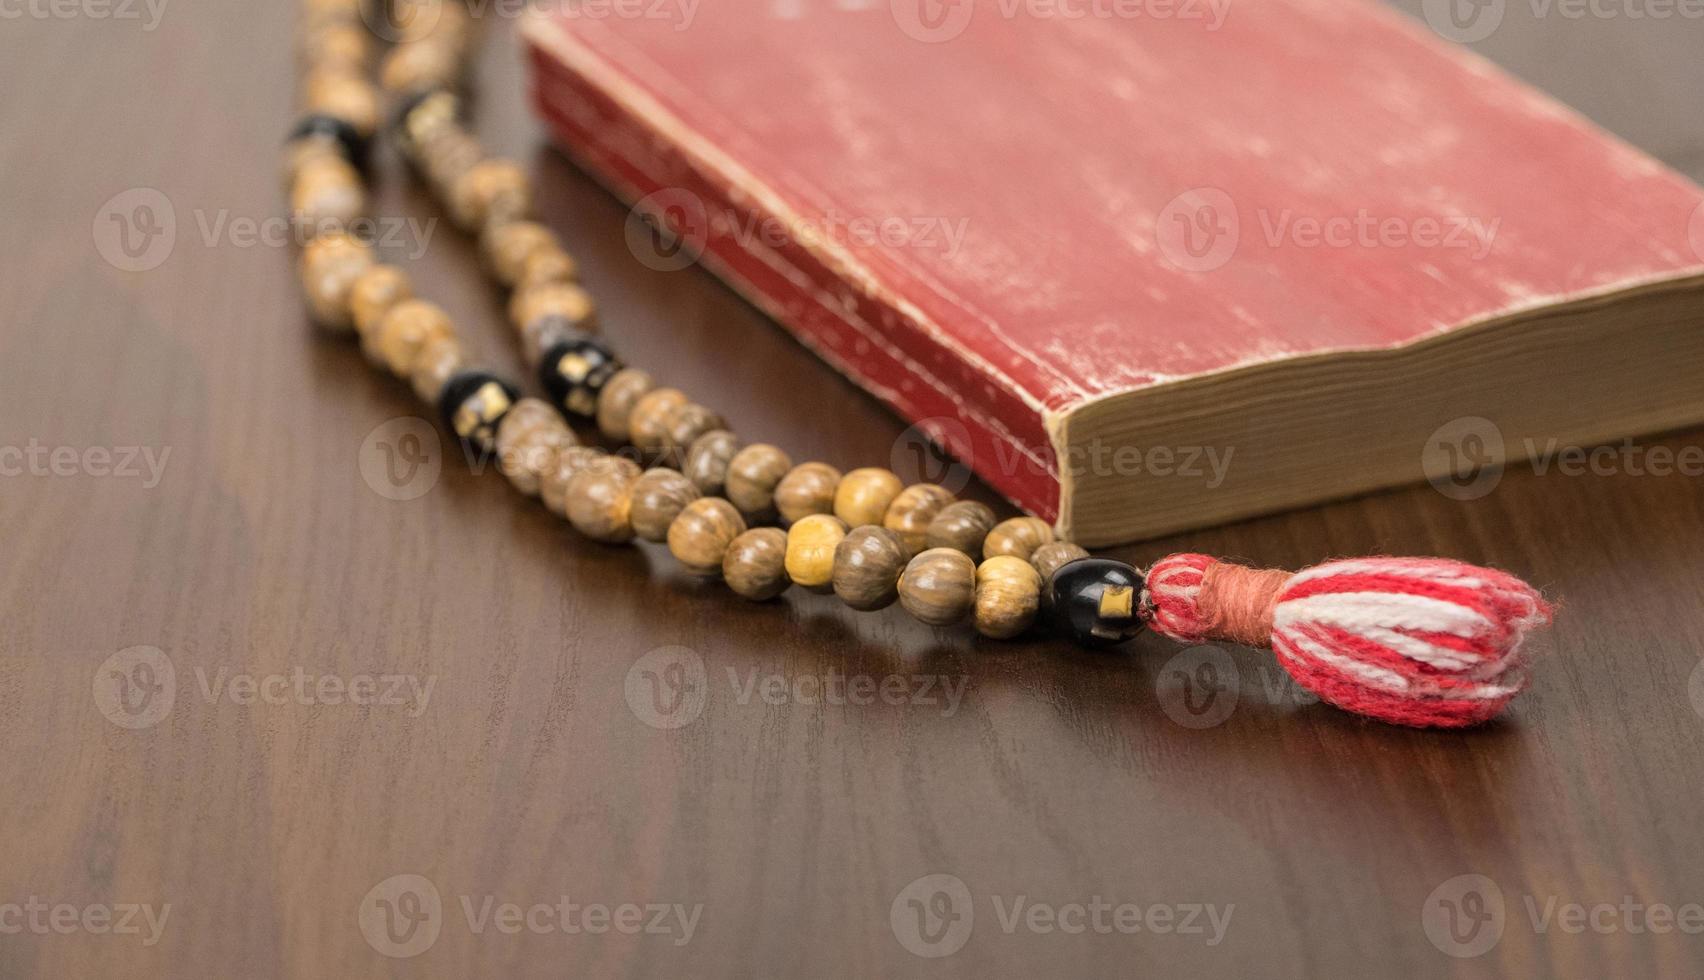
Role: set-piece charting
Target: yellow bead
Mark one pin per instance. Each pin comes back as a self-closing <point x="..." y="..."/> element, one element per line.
<point x="810" y="551"/>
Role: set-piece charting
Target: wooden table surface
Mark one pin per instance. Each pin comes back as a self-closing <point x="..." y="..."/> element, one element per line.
<point x="245" y="685"/>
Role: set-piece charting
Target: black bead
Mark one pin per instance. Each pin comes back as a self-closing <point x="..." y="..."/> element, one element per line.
<point x="319" y="125"/>
<point x="473" y="404"/>
<point x="575" y="370"/>
<point x="1094" y="601"/>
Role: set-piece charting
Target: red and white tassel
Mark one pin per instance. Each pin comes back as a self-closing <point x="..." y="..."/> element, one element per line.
<point x="1425" y="642"/>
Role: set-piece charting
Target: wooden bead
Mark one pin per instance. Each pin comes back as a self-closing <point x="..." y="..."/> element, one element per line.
<point x="685" y="424"/>
<point x="864" y="495"/>
<point x="648" y="423"/>
<point x="1050" y="557"/>
<point x="807" y="489"/>
<point x="700" y="536"/>
<point x="446" y="154"/>
<point x="418" y="68"/>
<point x="1019" y="537"/>
<point x="379" y="288"/>
<point x="547" y="266"/>
<point x="553" y="299"/>
<point x="528" y="441"/>
<point x="338" y="44"/>
<point x="810" y="551"/>
<point x="752" y="475"/>
<point x="428" y="120"/>
<point x="1008" y="596"/>
<point x="439" y="361"/>
<point x="616" y="401"/>
<point x="304" y="152"/>
<point x="962" y="526"/>
<point x="344" y="94"/>
<point x="867" y="565"/>
<point x="330" y="266"/>
<point x="327" y="196"/>
<point x="707" y="460"/>
<point x="756" y="564"/>
<point x="406" y="330"/>
<point x="533" y="413"/>
<point x="658" y="498"/>
<point x="600" y="499"/>
<point x="553" y="481"/>
<point x="939" y="586"/>
<point x="507" y="247"/>
<point x="490" y="188"/>
<point x="912" y="511"/>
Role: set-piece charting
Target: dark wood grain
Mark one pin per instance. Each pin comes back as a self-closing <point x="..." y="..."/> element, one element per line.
<point x="1055" y="775"/>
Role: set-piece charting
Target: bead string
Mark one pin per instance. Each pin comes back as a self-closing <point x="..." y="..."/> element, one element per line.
<point x="1413" y="641"/>
<point x="863" y="535"/>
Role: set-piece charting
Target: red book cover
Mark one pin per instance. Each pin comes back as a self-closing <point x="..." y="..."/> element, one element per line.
<point x="1019" y="222"/>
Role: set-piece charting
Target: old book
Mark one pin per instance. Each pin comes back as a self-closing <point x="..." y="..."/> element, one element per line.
<point x="1164" y="266"/>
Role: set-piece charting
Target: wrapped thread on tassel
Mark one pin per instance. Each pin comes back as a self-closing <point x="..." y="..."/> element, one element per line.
<point x="1424" y="642"/>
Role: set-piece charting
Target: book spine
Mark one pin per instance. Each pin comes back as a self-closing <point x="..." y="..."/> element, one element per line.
<point x="850" y="323"/>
